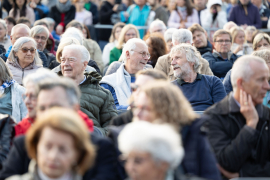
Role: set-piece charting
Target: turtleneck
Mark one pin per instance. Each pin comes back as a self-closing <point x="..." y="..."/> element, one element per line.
<point x="66" y="176"/>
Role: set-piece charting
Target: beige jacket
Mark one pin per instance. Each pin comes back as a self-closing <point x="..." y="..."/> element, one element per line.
<point x="32" y="174"/>
<point x="95" y="52"/>
<point x="19" y="73"/>
<point x="164" y="64"/>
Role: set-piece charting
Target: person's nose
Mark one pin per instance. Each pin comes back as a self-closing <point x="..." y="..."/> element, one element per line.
<point x="53" y="154"/>
<point x="28" y="52"/>
<point x="173" y="62"/>
<point x="266" y="85"/>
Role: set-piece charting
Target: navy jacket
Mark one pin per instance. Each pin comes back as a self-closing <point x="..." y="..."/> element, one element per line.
<point x="227" y="82"/>
<point x="103" y="169"/>
<point x="198" y="160"/>
<point x="218" y="65"/>
<point x="240" y="18"/>
<point x="203" y="92"/>
<point x="206" y="49"/>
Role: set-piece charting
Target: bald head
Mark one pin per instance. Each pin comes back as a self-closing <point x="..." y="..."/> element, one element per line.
<point x="251" y="74"/>
<point x="20" y="30"/>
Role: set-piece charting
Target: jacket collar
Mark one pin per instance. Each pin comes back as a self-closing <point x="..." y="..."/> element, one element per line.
<point x="217" y="54"/>
<point x="181" y="81"/>
<point x="240" y="4"/>
<point x="235" y="108"/>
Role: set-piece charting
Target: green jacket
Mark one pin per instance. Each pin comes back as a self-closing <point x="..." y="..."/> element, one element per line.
<point x="97" y="102"/>
<point x="115" y="54"/>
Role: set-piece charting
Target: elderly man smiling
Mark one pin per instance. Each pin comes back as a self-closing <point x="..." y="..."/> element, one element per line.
<point x="202" y="91"/>
<point x="95" y="101"/>
<point x="135" y="55"/>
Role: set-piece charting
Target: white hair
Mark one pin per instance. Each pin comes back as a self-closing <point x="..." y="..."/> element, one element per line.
<point x="3" y="23"/>
<point x="160" y="140"/>
<point x="192" y="55"/>
<point x="39" y="29"/>
<point x="168" y="34"/>
<point x="73" y="32"/>
<point x="18" y="44"/>
<point x="130" y="46"/>
<point x="242" y="68"/>
<point x="80" y="49"/>
<point x="49" y="20"/>
<point x="157" y="23"/>
<point x="181" y="36"/>
<point x="40" y="75"/>
<point x="19" y="26"/>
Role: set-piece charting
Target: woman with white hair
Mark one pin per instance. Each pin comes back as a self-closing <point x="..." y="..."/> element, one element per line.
<point x="4" y="40"/>
<point x="153" y="153"/>
<point x="23" y="58"/>
<point x="11" y="94"/>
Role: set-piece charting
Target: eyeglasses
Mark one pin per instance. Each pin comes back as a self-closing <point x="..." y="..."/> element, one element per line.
<point x="144" y="54"/>
<point x="25" y="50"/>
<point x="133" y="35"/>
<point x="222" y="41"/>
<point x="31" y="97"/>
<point x="134" y="87"/>
<point x="43" y="38"/>
<point x="70" y="60"/>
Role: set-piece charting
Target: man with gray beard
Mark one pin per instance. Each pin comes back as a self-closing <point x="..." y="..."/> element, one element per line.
<point x="202" y="91"/>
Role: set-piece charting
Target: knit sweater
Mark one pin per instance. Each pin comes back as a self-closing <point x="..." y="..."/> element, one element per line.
<point x="203" y="92"/>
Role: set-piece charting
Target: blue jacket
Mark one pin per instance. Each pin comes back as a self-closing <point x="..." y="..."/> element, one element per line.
<point x="227" y="82"/>
<point x="203" y="92"/>
<point x="218" y="65"/>
<point x="240" y="18"/>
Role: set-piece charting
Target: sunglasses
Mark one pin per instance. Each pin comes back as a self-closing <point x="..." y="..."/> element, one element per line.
<point x="25" y="50"/>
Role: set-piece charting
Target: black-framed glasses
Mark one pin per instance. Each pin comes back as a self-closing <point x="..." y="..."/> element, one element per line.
<point x="144" y="54"/>
<point x="222" y="41"/>
<point x="25" y="50"/>
<point x="43" y="38"/>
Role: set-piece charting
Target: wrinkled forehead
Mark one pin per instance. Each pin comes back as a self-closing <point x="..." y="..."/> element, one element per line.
<point x="141" y="47"/>
<point x="68" y="53"/>
<point x="177" y="52"/>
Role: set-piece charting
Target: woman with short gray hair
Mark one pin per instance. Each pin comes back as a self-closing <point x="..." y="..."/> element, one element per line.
<point x="153" y="153"/>
<point x="11" y="94"/>
<point x="4" y="40"/>
<point x="23" y="58"/>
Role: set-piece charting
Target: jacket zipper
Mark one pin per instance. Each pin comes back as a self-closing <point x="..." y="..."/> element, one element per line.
<point x="22" y="73"/>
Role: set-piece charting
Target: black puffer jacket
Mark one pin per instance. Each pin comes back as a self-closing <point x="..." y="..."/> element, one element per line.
<point x="6" y="136"/>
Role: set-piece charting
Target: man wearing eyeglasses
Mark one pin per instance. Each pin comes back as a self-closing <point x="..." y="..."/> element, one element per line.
<point x="222" y="59"/>
<point x="41" y="34"/>
<point x="135" y="56"/>
<point x="95" y="101"/>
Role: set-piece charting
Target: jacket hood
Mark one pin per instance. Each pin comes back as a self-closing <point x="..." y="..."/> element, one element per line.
<point x="212" y="2"/>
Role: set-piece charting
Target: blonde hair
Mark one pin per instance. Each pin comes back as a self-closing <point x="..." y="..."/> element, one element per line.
<point x="121" y="39"/>
<point x="258" y="39"/>
<point x="169" y="104"/>
<point x="69" y="122"/>
<point x="117" y="25"/>
<point x="65" y="42"/>
<point x="234" y="31"/>
<point x="5" y="74"/>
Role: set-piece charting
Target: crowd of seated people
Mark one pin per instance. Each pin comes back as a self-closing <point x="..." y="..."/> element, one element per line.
<point x="185" y="97"/>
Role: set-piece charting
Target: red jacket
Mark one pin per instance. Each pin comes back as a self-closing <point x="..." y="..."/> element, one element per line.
<point x="22" y="127"/>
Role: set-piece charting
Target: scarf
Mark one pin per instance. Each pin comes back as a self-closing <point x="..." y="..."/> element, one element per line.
<point x="181" y="8"/>
<point x="63" y="7"/>
<point x="6" y="84"/>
